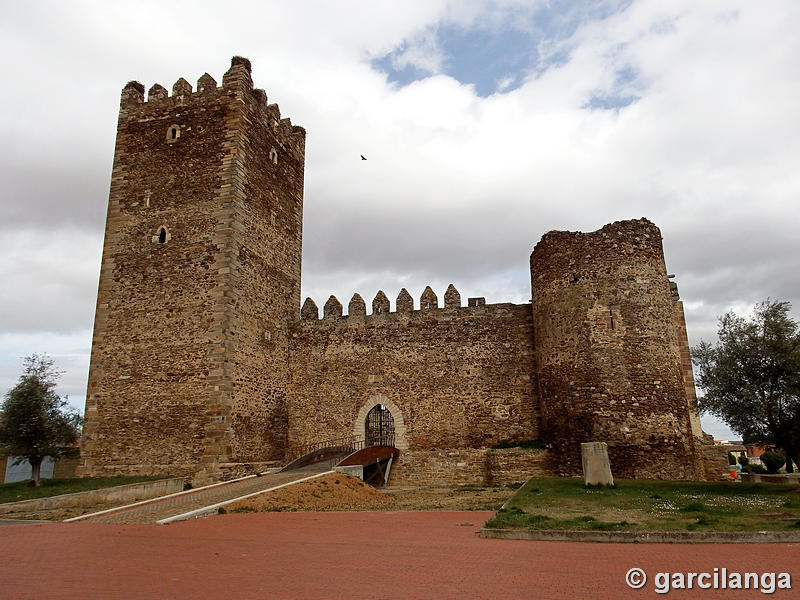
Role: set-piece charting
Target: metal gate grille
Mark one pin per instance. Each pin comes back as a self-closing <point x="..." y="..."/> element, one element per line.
<point x="379" y="430"/>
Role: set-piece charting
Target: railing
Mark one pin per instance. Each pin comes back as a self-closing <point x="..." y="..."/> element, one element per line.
<point x="347" y="444"/>
<point x="386" y="439"/>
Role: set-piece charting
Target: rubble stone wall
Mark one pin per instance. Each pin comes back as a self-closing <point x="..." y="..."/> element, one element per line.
<point x="457" y="378"/>
<point x="265" y="253"/>
<point x="507" y="466"/>
<point x="607" y="351"/>
<point x="470" y="466"/>
<point x="203" y="228"/>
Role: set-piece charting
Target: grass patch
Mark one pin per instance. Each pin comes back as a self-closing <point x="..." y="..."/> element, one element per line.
<point x="647" y="505"/>
<point x="20" y="490"/>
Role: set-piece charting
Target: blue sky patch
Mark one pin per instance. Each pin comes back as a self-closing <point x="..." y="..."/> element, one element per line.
<point x="499" y="54"/>
<point x="619" y="96"/>
<point x="609" y="102"/>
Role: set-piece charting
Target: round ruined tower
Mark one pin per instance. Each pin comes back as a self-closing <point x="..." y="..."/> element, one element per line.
<point x="607" y="351"/>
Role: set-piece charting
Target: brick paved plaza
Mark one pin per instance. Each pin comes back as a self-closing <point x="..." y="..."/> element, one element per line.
<point x="347" y="555"/>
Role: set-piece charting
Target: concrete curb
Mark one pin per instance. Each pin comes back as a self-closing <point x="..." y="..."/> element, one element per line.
<point x="644" y="537"/>
<point x="212" y="509"/>
<point x="156" y="499"/>
<point x="117" y="493"/>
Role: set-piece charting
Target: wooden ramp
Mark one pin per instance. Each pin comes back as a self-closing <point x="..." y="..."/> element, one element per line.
<point x="376" y="462"/>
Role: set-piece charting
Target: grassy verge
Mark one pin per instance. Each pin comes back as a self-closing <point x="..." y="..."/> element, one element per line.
<point x="14" y="492"/>
<point x="645" y="505"/>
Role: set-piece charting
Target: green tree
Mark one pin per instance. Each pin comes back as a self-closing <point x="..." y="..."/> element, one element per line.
<point x="35" y="421"/>
<point x="772" y="461"/>
<point x="751" y="378"/>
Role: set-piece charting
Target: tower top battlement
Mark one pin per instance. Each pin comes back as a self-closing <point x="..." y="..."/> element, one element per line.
<point x="236" y="83"/>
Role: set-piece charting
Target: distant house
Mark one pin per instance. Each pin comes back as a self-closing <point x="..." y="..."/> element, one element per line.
<point x="735" y="447"/>
<point x="752" y="451"/>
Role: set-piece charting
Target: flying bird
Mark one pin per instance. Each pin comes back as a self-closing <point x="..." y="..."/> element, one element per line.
<point x="363" y="157"/>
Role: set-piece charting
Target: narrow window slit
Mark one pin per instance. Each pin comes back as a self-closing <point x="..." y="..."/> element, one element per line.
<point x="173" y="133"/>
<point x="162" y="236"/>
<point x="611" y="317"/>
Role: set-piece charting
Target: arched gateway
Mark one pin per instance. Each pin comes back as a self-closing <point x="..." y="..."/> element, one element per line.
<point x="380" y="422"/>
<point x="379" y="427"/>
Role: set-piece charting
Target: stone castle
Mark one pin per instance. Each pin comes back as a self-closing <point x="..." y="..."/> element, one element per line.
<point x="203" y="364"/>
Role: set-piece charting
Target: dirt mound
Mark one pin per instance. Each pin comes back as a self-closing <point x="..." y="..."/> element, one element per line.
<point x="327" y="493"/>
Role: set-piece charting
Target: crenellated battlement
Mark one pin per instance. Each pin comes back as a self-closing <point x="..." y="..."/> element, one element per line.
<point x="465" y="318"/>
<point x="236" y="82"/>
<point x="381" y="306"/>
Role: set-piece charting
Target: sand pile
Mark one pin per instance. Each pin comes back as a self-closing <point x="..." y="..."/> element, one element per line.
<point x="327" y="493"/>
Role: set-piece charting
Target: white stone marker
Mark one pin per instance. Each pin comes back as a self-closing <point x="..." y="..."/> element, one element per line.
<point x="596" y="466"/>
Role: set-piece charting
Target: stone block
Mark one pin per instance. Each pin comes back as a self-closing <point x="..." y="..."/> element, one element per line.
<point x="596" y="466"/>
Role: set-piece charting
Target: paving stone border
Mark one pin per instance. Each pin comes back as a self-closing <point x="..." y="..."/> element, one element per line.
<point x="644" y="537"/>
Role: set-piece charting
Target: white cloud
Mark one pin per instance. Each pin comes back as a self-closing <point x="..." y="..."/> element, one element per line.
<point x="421" y="52"/>
<point x="70" y="354"/>
<point x="505" y="82"/>
<point x="50" y="280"/>
<point x="457" y="188"/>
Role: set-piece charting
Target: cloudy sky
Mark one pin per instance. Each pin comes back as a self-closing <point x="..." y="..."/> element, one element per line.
<point x="485" y="124"/>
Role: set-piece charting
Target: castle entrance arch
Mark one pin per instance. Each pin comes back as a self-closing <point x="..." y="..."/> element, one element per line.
<point x="380" y="420"/>
<point x="379" y="427"/>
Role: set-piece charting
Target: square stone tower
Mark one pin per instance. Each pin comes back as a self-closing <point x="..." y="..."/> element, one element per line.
<point x="200" y="279"/>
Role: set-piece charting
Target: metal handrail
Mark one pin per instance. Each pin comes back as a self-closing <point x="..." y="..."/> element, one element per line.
<point x="298" y="450"/>
<point x="348" y="444"/>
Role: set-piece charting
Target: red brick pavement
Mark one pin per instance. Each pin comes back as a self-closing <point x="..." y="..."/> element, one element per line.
<point x="347" y="555"/>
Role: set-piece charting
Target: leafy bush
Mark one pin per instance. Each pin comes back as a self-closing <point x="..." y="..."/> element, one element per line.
<point x="773" y="461"/>
<point x="731" y="458"/>
<point x="757" y="469"/>
<point x="743" y="460"/>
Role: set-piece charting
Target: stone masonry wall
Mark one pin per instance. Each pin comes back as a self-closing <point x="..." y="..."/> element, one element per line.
<point x="444" y="467"/>
<point x="470" y="466"/>
<point x="453" y="378"/>
<point x="148" y="393"/>
<point x="687" y="373"/>
<point x="266" y="239"/>
<point x="607" y="351"/>
<point x="507" y="466"/>
<point x="203" y="231"/>
<point x="713" y="464"/>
